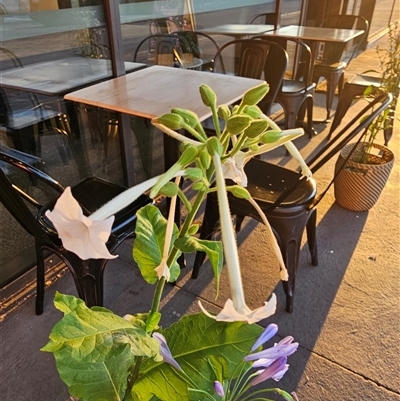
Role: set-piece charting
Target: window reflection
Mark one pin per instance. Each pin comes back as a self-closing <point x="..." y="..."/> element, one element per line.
<point x="50" y="48"/>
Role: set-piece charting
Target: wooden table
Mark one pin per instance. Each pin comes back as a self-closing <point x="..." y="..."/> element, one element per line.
<point x="238" y="31"/>
<point x="314" y="35"/>
<point x="155" y="90"/>
<point x="58" y="77"/>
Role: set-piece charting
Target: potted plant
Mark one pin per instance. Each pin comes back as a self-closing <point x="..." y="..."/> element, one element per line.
<point x="360" y="183"/>
<point x="101" y="356"/>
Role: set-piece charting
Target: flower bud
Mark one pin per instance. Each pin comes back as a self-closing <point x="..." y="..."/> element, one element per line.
<point x="254" y="148"/>
<point x="193" y="173"/>
<point x="172" y="121"/>
<point x="271" y="136"/>
<point x="252" y="111"/>
<point x="214" y="146"/>
<point x="237" y="124"/>
<point x="208" y="96"/>
<point x="223" y="112"/>
<point x="254" y="95"/>
<point x="235" y="109"/>
<point x="188" y="156"/>
<point x="199" y="186"/>
<point x="256" y="128"/>
<point x="169" y="189"/>
<point x="205" y="159"/>
<point x="188" y="116"/>
<point x="193" y="229"/>
<point x="240" y="192"/>
<point x="219" y="388"/>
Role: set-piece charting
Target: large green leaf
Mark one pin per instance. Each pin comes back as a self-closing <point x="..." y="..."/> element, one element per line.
<point x="213" y="249"/>
<point x="149" y="243"/>
<point x="94" y="349"/>
<point x="201" y="346"/>
<point x="92" y="335"/>
<point x="95" y="381"/>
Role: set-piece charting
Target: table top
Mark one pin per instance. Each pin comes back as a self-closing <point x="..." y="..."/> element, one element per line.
<point x="56" y="78"/>
<point x="237" y="29"/>
<point x="155" y="90"/>
<point x="319" y="34"/>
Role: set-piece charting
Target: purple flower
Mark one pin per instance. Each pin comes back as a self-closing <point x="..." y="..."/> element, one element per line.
<point x="279" y="350"/>
<point x="219" y="388"/>
<point x="165" y="351"/>
<point x="266" y="335"/>
<point x="275" y="370"/>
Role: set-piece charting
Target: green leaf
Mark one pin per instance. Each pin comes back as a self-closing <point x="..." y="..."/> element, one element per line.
<point x="66" y="303"/>
<point x="213" y="249"/>
<point x="92" y="335"/>
<point x="149" y="243"/>
<point x="96" y="381"/>
<point x="201" y="346"/>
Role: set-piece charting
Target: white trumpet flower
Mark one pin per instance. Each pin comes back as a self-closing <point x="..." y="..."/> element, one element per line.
<point x="83" y="235"/>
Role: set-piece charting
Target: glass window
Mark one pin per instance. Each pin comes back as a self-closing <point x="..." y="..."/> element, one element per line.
<point x="50" y="48"/>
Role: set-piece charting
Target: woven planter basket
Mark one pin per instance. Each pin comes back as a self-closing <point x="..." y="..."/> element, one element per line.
<point x="358" y="185"/>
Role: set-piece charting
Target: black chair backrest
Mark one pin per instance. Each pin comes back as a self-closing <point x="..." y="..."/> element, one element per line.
<point x="336" y="51"/>
<point x="5" y="55"/>
<point x="254" y="58"/>
<point x="10" y="198"/>
<point x="151" y="47"/>
<point x="22" y="161"/>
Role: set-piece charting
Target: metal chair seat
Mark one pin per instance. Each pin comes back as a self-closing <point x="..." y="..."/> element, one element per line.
<point x="90" y="193"/>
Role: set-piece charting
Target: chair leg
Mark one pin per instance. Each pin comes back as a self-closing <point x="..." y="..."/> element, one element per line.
<point x="210" y="220"/>
<point x="39" y="277"/>
<point x="88" y="277"/>
<point x="312" y="236"/>
<point x="239" y="221"/>
<point x="289" y="231"/>
<point x="332" y="84"/>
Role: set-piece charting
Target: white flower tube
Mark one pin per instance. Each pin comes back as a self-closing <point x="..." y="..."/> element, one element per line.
<point x="229" y="240"/>
<point x="162" y="269"/>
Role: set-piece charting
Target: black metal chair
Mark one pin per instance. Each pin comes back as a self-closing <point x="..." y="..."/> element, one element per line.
<point x="91" y="194"/>
<point x="297" y="93"/>
<point x="254" y="58"/>
<point x="288" y="200"/>
<point x="337" y="56"/>
<point x="161" y="49"/>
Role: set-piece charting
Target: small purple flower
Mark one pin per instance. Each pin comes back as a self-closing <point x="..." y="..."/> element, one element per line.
<point x="286" y="340"/>
<point x="266" y="335"/>
<point x="279" y="350"/>
<point x="165" y="351"/>
<point x="219" y="388"/>
<point x="275" y="370"/>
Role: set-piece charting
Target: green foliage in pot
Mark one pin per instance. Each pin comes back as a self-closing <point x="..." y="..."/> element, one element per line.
<point x="389" y="60"/>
